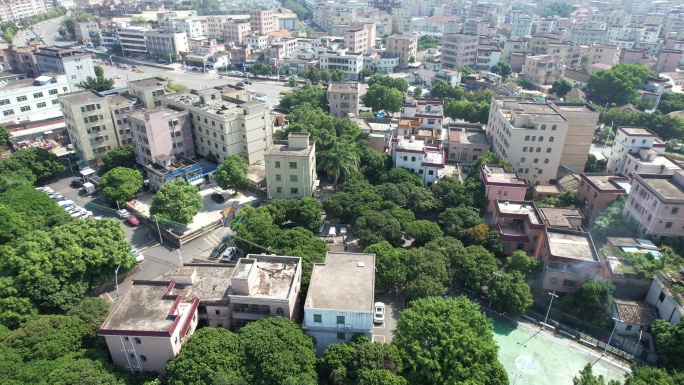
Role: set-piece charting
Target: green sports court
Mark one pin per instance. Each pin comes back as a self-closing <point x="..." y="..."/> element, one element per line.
<point x="532" y="357"/>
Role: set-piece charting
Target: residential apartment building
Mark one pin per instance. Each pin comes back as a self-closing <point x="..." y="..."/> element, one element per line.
<point x="192" y="27"/>
<point x="668" y="60"/>
<point x="630" y="140"/>
<point x="487" y="57"/>
<point x="291" y="167"/>
<point x="665" y="298"/>
<point x="402" y="46"/>
<point x="339" y="303"/>
<point x="570" y="260"/>
<point x="21" y="59"/>
<point x="428" y="113"/>
<point x="519" y="225"/>
<point x="543" y="70"/>
<point x="459" y="50"/>
<point x="351" y="63"/>
<point x="234" y="31"/>
<point x="343" y="99"/>
<point x="262" y="21"/>
<point x="75" y="63"/>
<point x="597" y="191"/>
<point x="466" y="142"/>
<point x="381" y="63"/>
<point x="582" y="120"/>
<point x="356" y="39"/>
<point x="161" y="131"/>
<point x="148" y="325"/>
<point x="426" y="161"/>
<point x="215" y="26"/>
<point x="32" y="100"/>
<point x="649" y="161"/>
<point x="656" y="204"/>
<point x="89" y="125"/>
<point x="501" y="183"/>
<point x="227" y="126"/>
<point x="14" y="10"/>
<point x="85" y="31"/>
<point x="120" y="106"/>
<point x="603" y="54"/>
<point x="522" y="26"/>
<point x="133" y="40"/>
<point x="148" y="91"/>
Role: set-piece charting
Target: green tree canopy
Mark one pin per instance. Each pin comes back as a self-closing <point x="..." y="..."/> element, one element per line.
<point x="519" y="261"/>
<point x="669" y="340"/>
<point x="427" y="42"/>
<point x="342" y="363"/>
<point x="177" y="201"/>
<point x="561" y="87"/>
<point x="618" y="84"/>
<point x="301" y="12"/>
<point x="611" y="224"/>
<point x="459" y="219"/>
<point x="339" y="162"/>
<point x="592" y="302"/>
<point x="36" y="208"/>
<point x="510" y="293"/>
<point x="208" y="352"/>
<point x="382" y="98"/>
<point x="587" y="377"/>
<point x="444" y="90"/>
<point x="670" y="102"/>
<point x="448" y="342"/>
<point x="259" y="69"/>
<point x="503" y="69"/>
<point x="423" y="231"/>
<point x="275" y="349"/>
<point x="120" y="184"/>
<point x="232" y="173"/>
<point x="122" y="156"/>
<point x="42" y="164"/>
<point x="337" y="75"/>
<point x="47" y="337"/>
<point x="391" y="263"/>
<point x="592" y="163"/>
<point x="418" y="92"/>
<point x="377" y="226"/>
<point x="398" y="84"/>
<point x="475" y="267"/>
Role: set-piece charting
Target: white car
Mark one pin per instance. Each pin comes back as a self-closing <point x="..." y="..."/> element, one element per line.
<point x="123" y="214"/>
<point x="229" y="254"/>
<point x="379" y="315"/>
<point x="138" y="255"/>
<point x="343" y="230"/>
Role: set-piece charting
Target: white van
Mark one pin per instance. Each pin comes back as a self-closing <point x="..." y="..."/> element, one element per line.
<point x="65" y="203"/>
<point x="333" y="231"/>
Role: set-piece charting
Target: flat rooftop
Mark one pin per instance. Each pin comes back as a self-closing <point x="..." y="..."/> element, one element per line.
<point x="464" y="136"/>
<point x="167" y="112"/>
<point x="572" y="245"/>
<point x="560" y="217"/>
<point x="117" y="100"/>
<point x="345" y="282"/>
<point x="27" y="83"/>
<point x="343" y="87"/>
<point x="497" y="174"/>
<point x="605" y="182"/>
<point x="267" y="276"/>
<point x="80" y="96"/>
<point x="211" y="283"/>
<point x="149" y="82"/>
<point x="218" y="106"/>
<point x="637" y="131"/>
<point x="409" y="144"/>
<point x="282" y="147"/>
<point x="145" y="306"/>
<point x="524" y="208"/>
<point x="668" y="188"/>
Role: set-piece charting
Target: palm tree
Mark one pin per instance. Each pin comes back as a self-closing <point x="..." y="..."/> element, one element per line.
<point x="339" y="162"/>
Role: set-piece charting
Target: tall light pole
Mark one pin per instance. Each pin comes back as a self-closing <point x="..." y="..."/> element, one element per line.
<point x="553" y="295"/>
<point x="116" y="279"/>
<point x="638" y="343"/>
<point x="180" y="257"/>
<point x="617" y="321"/>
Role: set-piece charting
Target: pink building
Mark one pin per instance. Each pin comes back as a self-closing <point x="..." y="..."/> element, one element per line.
<point x="668" y="60"/>
<point x="235" y="30"/>
<point x="151" y="137"/>
<point x="262" y="21"/>
<point x="501" y="183"/>
<point x="597" y="191"/>
<point x="517" y="61"/>
<point x="570" y="259"/>
<point x="467" y="141"/>
<point x="634" y="56"/>
<point x="459" y="50"/>
<point x="520" y="227"/>
<point x="656" y="204"/>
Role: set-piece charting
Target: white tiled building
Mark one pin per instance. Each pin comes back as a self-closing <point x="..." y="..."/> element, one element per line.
<point x="426" y="161"/>
<point x="33" y="99"/>
<point x="351" y="63"/>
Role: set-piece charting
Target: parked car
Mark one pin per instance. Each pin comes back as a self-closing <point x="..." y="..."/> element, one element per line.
<point x="379" y="315"/>
<point x="218" y="198"/>
<point x="138" y="255"/>
<point x="332" y="232"/>
<point x="218" y="251"/>
<point x="134" y="67"/>
<point x="229" y="255"/>
<point x="343" y="230"/>
<point x="320" y="230"/>
<point x="77" y="183"/>
<point x="132" y="220"/>
<point x="123" y="214"/>
<point x="247" y="82"/>
<point x="240" y="84"/>
<point x="117" y="76"/>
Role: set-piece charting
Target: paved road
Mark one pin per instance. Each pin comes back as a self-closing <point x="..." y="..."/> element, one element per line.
<point x="197" y="80"/>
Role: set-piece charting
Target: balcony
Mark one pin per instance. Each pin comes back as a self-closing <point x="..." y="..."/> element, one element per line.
<point x="245" y="311"/>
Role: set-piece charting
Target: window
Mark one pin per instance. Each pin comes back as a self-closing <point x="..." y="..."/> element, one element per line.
<point x="668" y="225"/>
<point x="277" y="164"/>
<point x="278" y="177"/>
<point x="546" y="161"/>
<point x="548" y="150"/>
<point x="218" y="312"/>
<point x="279" y="312"/>
<point x="52" y="92"/>
<point x="522" y="160"/>
<point x="431" y="172"/>
<point x="340" y="319"/>
<point x="38" y="95"/>
<point x="527" y="138"/>
<point x="539" y="171"/>
<point x="21" y="98"/>
<point x="551" y="139"/>
<point x="553" y="128"/>
<point x="543" y="127"/>
<point x="520" y="246"/>
<point x="661" y="297"/>
<point x="41" y="105"/>
<point x="541" y="138"/>
<point x="25" y="108"/>
<point x="538" y="149"/>
<point x="318" y="318"/>
<point x="4" y="101"/>
<point x="137" y="341"/>
<point x="524" y="149"/>
<point x="534" y="138"/>
<point x="553" y="280"/>
<point x="406" y="158"/>
<point x="536" y="160"/>
<point x="8" y="112"/>
<point x="520" y="170"/>
<point x="293" y="165"/>
<point x="294" y="191"/>
<point x="675" y="210"/>
<point x="279" y="190"/>
<point x="341" y="336"/>
<point x="569" y="283"/>
<point x="293" y="178"/>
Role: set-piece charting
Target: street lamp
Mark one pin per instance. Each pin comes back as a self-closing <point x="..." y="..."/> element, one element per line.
<point x="553" y="295"/>
<point x="180" y="257"/>
<point x="116" y="279"/>
<point x="617" y="321"/>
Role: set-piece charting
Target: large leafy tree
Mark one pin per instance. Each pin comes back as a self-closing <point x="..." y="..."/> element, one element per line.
<point x="382" y="98"/>
<point x="342" y="363"/>
<point x="475" y="267"/>
<point x="592" y="302"/>
<point x="314" y="95"/>
<point x="325" y="129"/>
<point x="428" y="273"/>
<point x="177" y="201"/>
<point x="670" y="342"/>
<point x="377" y="226"/>
<point x="208" y="352"/>
<point x="78" y="371"/>
<point x="391" y="264"/>
<point x="339" y="162"/>
<point x="458" y="220"/>
<point x="502" y="68"/>
<point x="36" y="209"/>
<point x="123" y="156"/>
<point x="120" y="184"/>
<point x="275" y="349"/>
<point x="444" y="90"/>
<point x="47" y="337"/>
<point x="587" y="377"/>
<point x="337" y="75"/>
<point x="42" y="164"/>
<point x="618" y="84"/>
<point x="423" y="231"/>
<point x="448" y="342"/>
<point x="561" y="87"/>
<point x="611" y="224"/>
<point x="398" y="84"/>
<point x="232" y="173"/>
<point x="56" y="269"/>
<point x="510" y="293"/>
<point x="519" y="261"/>
<point x="646" y="375"/>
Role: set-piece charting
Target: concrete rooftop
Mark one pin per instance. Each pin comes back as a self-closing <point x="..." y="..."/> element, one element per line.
<point x="345" y="282"/>
<point x="571" y="245"/>
<point x="268" y="276"/>
<point x="666" y="187"/>
<point x="525" y="208"/>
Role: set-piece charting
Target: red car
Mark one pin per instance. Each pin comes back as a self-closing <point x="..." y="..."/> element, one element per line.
<point x="132" y="220"/>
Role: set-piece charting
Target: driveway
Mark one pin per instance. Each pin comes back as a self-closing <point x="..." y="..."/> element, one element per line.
<point x="394" y="304"/>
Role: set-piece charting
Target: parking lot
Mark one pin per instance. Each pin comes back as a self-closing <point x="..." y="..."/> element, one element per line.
<point x="394" y="304"/>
